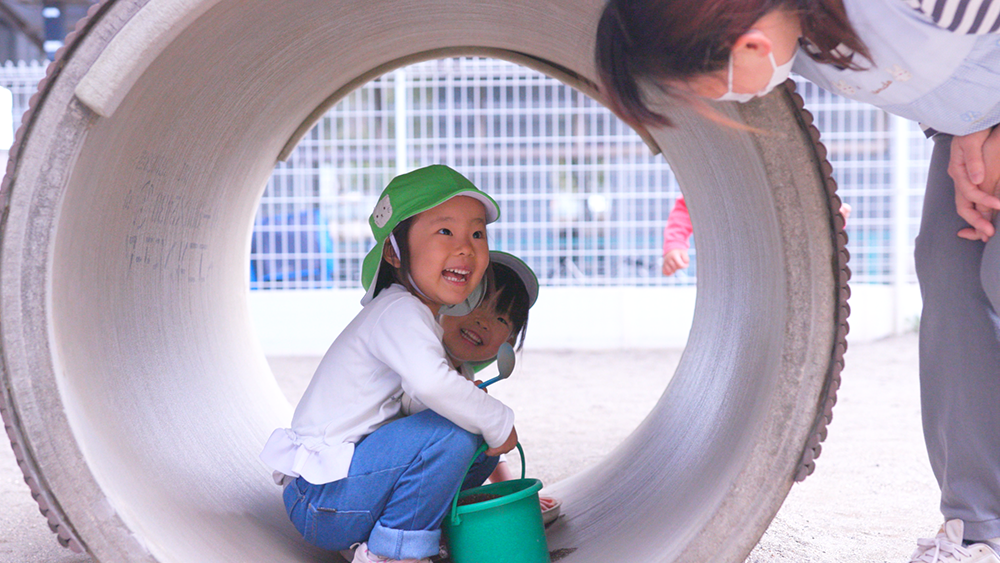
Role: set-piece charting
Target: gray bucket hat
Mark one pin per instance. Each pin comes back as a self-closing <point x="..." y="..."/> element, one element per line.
<point x="522" y="270"/>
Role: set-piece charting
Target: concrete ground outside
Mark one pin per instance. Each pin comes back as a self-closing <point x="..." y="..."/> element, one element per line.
<point x="872" y="494"/>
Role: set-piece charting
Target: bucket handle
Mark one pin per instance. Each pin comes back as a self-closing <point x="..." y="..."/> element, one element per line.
<point x="455" y="520"/>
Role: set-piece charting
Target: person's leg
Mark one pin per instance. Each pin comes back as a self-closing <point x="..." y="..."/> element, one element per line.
<point x="959" y="360"/>
<point x="480" y="471"/>
<point x="402" y="479"/>
<point x="410" y="524"/>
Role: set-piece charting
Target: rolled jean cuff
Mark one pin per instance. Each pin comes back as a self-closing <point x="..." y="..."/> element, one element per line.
<point x="404" y="544"/>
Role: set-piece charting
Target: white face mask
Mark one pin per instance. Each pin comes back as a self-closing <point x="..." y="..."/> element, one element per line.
<point x="778" y="75"/>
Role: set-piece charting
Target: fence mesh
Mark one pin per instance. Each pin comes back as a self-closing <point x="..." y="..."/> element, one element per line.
<point x="582" y="200"/>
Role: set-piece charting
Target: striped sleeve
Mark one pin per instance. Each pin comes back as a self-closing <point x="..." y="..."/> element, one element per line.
<point x="970" y="17"/>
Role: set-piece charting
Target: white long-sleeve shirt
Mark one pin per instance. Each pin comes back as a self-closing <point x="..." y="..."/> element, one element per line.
<point x="393" y="346"/>
<point x="408" y="405"/>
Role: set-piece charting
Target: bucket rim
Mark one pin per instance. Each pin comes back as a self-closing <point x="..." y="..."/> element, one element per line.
<point x="533" y="487"/>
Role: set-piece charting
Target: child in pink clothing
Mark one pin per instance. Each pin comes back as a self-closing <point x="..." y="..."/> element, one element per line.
<point x="677" y="232"/>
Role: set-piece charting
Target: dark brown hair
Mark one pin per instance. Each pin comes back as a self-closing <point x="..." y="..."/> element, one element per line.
<point x="677" y="40"/>
<point x="507" y="294"/>
<point x="387" y="274"/>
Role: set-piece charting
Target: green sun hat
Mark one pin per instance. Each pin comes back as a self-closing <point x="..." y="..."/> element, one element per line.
<point x="407" y="195"/>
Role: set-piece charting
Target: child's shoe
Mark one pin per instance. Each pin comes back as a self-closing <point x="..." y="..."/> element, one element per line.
<point x="362" y="555"/>
<point x="947" y="547"/>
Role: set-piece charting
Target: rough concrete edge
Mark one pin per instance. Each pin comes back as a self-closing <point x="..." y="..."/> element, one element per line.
<point x="812" y="393"/>
<point x="828" y="398"/>
<point x="47" y="505"/>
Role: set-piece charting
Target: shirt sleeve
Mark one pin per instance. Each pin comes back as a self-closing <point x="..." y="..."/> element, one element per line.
<point x="678" y="229"/>
<point x="404" y="338"/>
<point x="409" y="405"/>
<point x="970" y="17"/>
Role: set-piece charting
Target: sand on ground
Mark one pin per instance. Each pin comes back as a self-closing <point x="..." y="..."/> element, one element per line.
<point x="872" y="495"/>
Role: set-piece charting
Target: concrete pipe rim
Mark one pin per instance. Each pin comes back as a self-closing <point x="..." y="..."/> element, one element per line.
<point x="70" y="205"/>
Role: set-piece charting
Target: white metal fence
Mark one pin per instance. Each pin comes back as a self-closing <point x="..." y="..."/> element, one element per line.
<point x="22" y="80"/>
<point x="582" y="199"/>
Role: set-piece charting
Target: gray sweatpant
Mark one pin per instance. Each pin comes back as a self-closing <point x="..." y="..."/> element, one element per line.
<point x="959" y="356"/>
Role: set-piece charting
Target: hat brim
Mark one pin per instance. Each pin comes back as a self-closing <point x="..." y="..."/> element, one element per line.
<point x="492" y="209"/>
<point x="372" y="263"/>
<point x="528" y="277"/>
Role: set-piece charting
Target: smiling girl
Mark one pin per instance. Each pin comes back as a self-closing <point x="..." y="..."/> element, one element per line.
<point x="354" y="471"/>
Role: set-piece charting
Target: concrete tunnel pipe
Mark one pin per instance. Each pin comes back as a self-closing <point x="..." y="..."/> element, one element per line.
<point x="135" y="395"/>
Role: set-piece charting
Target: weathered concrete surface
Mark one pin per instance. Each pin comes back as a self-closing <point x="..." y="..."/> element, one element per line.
<point x="134" y="391"/>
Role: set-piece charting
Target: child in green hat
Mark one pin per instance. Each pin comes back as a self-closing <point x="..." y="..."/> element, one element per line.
<point x="354" y="470"/>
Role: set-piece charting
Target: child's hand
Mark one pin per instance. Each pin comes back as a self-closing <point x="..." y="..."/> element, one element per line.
<point x="845" y="212"/>
<point x="550" y="509"/>
<point x="506" y="446"/>
<point x="674" y="260"/>
<point x="973" y="167"/>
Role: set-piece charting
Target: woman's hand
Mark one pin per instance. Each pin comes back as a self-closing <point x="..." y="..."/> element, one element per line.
<point x="975" y="168"/>
<point x="506" y="446"/>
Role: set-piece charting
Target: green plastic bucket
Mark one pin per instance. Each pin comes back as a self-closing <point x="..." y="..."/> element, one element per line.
<point x="506" y="529"/>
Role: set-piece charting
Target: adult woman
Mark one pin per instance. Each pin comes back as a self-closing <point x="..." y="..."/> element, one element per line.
<point x="933" y="61"/>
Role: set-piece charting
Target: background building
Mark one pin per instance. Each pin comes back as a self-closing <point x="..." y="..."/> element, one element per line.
<point x="34" y="29"/>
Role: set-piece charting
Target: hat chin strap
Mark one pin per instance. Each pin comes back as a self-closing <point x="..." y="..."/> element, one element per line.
<point x="467" y="306"/>
<point x="456" y="310"/>
<point x="416" y="288"/>
<point x="395" y="247"/>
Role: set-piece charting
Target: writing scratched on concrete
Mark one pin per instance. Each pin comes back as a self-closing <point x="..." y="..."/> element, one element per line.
<point x="151" y="207"/>
<point x="168" y="229"/>
<point x="179" y="260"/>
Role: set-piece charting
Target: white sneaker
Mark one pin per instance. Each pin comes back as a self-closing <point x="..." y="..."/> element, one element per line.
<point x="362" y="555"/>
<point x="947" y="547"/>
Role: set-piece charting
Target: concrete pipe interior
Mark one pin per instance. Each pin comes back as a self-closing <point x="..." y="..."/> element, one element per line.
<point x="135" y="393"/>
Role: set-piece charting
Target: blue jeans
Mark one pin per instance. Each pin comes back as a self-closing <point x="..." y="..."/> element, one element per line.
<point x="399" y="488"/>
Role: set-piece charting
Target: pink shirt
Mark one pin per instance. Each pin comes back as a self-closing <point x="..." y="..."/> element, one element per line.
<point x="678" y="229"/>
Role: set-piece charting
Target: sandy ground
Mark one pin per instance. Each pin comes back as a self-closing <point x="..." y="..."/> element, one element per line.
<point x="872" y="494"/>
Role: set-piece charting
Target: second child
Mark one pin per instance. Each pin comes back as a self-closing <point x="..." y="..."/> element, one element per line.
<point x="473" y="341"/>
